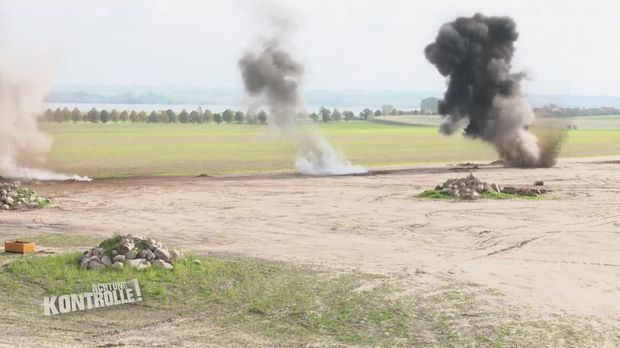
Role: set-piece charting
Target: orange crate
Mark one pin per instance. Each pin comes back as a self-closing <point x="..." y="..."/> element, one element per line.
<point x="19" y="246"/>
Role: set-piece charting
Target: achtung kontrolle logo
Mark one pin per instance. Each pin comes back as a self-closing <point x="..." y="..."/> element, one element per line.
<point x="102" y="295"/>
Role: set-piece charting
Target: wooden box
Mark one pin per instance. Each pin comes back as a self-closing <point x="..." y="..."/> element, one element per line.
<point x="19" y="246"/>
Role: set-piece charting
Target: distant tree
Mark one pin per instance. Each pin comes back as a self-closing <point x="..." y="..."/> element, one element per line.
<point x="325" y="114"/>
<point x="207" y="116"/>
<point x="66" y="114"/>
<point x="124" y="116"/>
<point x="105" y="116"/>
<point x="348" y="115"/>
<point x="239" y="116"/>
<point x="262" y="117"/>
<point x="314" y="116"/>
<point x="194" y="117"/>
<point x="58" y="116"/>
<point x="217" y="118"/>
<point x="365" y="114"/>
<point x="162" y="116"/>
<point x="378" y="113"/>
<point x="142" y="117"/>
<point x="93" y="115"/>
<point x="429" y="105"/>
<point x="250" y="118"/>
<point x="76" y="115"/>
<point x="228" y="115"/>
<point x="184" y="116"/>
<point x="153" y="117"/>
<point x="49" y="115"/>
<point x="114" y="116"/>
<point x="336" y="115"/>
<point x="172" y="116"/>
<point x="386" y="109"/>
<point x="133" y="116"/>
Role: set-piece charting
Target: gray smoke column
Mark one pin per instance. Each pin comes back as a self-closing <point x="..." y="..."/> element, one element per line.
<point x="273" y="76"/>
<point x="21" y="103"/>
<point x="475" y="53"/>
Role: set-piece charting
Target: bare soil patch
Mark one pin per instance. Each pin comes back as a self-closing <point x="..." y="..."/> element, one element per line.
<point x="552" y="256"/>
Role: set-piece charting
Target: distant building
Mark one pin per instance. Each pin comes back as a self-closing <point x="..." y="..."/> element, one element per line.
<point x="429" y="105"/>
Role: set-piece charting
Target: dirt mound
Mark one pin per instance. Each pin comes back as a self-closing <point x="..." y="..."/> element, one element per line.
<point x="471" y="187"/>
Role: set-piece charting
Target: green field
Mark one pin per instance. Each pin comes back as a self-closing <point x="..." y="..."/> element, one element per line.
<point x="582" y="122"/>
<point x="100" y="150"/>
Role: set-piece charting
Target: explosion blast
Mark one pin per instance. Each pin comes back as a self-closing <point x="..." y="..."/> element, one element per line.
<point x="21" y="103"/>
<point x="274" y="76"/>
<point x="475" y="54"/>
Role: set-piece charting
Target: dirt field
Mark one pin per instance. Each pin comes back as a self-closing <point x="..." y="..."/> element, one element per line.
<point x="555" y="255"/>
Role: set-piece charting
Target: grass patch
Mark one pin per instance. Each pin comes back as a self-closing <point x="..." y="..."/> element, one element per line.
<point x="275" y="299"/>
<point x="283" y="304"/>
<point x="501" y="195"/>
<point x="434" y="194"/>
<point x="439" y="194"/>
<point x="59" y="240"/>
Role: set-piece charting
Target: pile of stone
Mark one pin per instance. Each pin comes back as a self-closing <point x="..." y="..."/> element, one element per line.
<point x="136" y="252"/>
<point x="471" y="187"/>
<point x="15" y="196"/>
<point x="524" y="191"/>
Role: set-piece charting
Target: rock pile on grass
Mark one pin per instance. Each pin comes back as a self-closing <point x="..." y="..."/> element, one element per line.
<point x="129" y="251"/>
<point x="15" y="196"/>
<point x="471" y="187"/>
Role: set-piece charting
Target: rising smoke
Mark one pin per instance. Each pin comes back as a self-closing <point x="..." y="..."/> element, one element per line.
<point x="273" y="76"/>
<point x="21" y="141"/>
<point x="475" y="54"/>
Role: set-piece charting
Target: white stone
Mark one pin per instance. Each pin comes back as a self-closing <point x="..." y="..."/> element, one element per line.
<point x="136" y="262"/>
<point x="97" y="252"/>
<point x="86" y="259"/>
<point x="96" y="264"/>
<point x="175" y="255"/>
<point x="163" y="264"/>
<point x="131" y="255"/>
<point x="126" y="245"/>
<point x="149" y="255"/>
<point x="495" y="188"/>
<point x="143" y="266"/>
<point x="162" y="254"/>
<point x="106" y="260"/>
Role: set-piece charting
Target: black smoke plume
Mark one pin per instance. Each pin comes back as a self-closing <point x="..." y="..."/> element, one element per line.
<point x="475" y="54"/>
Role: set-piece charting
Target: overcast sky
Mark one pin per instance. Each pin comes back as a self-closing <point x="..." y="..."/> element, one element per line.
<point x="568" y="47"/>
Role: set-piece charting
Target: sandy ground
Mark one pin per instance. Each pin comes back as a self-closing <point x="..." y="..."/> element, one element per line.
<point x="554" y="255"/>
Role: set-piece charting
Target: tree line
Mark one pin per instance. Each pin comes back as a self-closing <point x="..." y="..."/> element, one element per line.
<point x="94" y="115"/>
<point x="161" y="116"/>
<point x="558" y="111"/>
